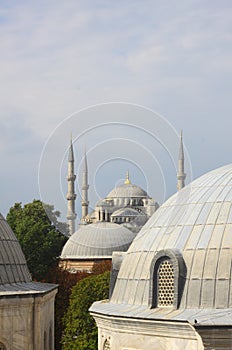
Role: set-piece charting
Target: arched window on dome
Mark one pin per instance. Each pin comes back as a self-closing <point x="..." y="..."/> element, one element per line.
<point x="2" y="346"/>
<point x="167" y="279"/>
<point x="165" y="284"/>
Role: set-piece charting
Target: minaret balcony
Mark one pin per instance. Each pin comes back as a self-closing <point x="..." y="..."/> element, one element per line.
<point x="71" y="196"/>
<point x="71" y="177"/>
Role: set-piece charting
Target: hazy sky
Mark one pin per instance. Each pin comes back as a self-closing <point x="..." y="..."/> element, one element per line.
<point x="58" y="57"/>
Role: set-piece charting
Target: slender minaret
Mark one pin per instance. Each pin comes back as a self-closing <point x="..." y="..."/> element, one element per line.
<point x="85" y="187"/>
<point x="71" y="196"/>
<point x="181" y="174"/>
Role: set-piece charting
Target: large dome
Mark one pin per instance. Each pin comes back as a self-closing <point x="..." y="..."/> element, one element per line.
<point x="127" y="191"/>
<point x="97" y="240"/>
<point x="13" y="267"/>
<point x="193" y="232"/>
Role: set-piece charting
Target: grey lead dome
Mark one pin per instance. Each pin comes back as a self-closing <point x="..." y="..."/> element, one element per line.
<point x="127" y="191"/>
<point x="198" y="222"/>
<point x="97" y="240"/>
<point x="196" y="225"/>
<point x="13" y="267"/>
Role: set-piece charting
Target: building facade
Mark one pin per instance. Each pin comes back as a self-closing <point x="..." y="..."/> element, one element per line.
<point x="26" y="307"/>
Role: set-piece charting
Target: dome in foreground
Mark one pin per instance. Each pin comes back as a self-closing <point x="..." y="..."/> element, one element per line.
<point x="179" y="265"/>
<point x="97" y="240"/>
<point x="13" y="267"/>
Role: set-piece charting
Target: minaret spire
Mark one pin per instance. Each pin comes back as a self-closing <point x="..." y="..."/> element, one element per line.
<point x="85" y="187"/>
<point x="127" y="181"/>
<point x="181" y="174"/>
<point x="71" y="196"/>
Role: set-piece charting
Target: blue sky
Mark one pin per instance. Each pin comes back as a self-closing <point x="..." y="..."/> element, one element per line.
<point x="58" y="57"/>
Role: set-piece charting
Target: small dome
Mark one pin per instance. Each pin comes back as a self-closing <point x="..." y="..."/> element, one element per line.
<point x="126" y="212"/>
<point x="127" y="191"/>
<point x="13" y="266"/>
<point x="97" y="240"/>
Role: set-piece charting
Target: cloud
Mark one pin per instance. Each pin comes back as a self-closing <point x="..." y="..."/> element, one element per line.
<point x="58" y="57"/>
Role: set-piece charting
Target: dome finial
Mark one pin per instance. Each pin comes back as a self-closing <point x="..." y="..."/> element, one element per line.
<point x="127" y="181"/>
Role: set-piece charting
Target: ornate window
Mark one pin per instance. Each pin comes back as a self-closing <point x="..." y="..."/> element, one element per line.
<point x="167" y="279"/>
<point x="165" y="285"/>
<point x="2" y="346"/>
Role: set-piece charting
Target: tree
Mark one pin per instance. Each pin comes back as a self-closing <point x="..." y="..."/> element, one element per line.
<point x="80" y="330"/>
<point x="41" y="242"/>
<point x="66" y="282"/>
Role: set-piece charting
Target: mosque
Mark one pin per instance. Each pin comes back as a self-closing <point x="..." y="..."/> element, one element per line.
<point x="112" y="225"/>
<point x="172" y="289"/>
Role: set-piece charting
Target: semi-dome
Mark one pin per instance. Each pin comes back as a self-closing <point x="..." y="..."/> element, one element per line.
<point x="129" y="212"/>
<point x="13" y="266"/>
<point x="97" y="240"/>
<point x="179" y="265"/>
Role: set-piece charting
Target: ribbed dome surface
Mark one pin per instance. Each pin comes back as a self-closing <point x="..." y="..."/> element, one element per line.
<point x="97" y="240"/>
<point x="13" y="267"/>
<point x="197" y="222"/>
<point x="127" y="191"/>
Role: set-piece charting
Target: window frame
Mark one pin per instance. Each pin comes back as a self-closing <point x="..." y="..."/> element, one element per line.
<point x="176" y="259"/>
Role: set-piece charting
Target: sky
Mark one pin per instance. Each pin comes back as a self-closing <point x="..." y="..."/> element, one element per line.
<point x="140" y="68"/>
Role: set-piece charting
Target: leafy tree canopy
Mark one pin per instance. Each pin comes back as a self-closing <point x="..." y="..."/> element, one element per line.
<point x="80" y="329"/>
<point x="41" y="242"/>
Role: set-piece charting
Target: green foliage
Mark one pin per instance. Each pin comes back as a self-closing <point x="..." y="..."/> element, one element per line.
<point x="66" y="281"/>
<point x="41" y="242"/>
<point x="80" y="329"/>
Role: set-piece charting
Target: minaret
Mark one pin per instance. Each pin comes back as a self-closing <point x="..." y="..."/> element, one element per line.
<point x="85" y="187"/>
<point x="181" y="174"/>
<point x="71" y="196"/>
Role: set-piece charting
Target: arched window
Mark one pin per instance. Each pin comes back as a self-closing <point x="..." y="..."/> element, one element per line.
<point x="167" y="279"/>
<point x="165" y="284"/>
<point x="2" y="346"/>
<point x="106" y="345"/>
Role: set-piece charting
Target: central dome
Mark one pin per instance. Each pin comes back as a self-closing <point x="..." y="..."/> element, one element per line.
<point x="127" y="191"/>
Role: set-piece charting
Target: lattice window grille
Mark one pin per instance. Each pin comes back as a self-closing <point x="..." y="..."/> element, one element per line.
<point x="165" y="284"/>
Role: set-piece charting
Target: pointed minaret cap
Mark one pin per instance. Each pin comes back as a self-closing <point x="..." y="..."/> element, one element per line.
<point x="70" y="153"/>
<point x="85" y="162"/>
<point x="181" y="149"/>
<point x="127" y="181"/>
<point x="181" y="174"/>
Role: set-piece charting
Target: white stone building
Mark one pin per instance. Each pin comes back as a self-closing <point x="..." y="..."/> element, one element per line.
<point x="26" y="307"/>
<point x="172" y="289"/>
